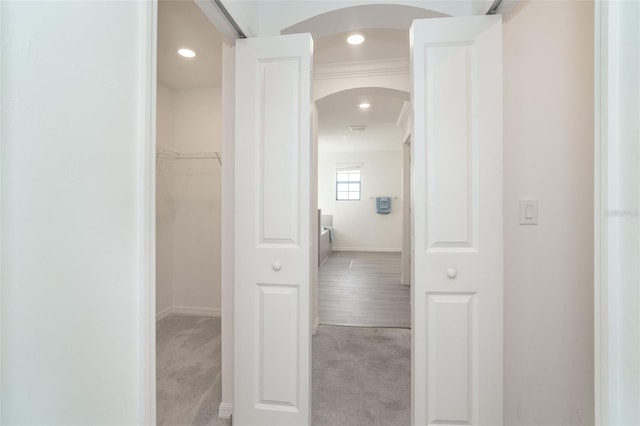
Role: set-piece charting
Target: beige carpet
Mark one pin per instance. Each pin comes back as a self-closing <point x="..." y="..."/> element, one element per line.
<point x="188" y="359"/>
<point x="361" y="376"/>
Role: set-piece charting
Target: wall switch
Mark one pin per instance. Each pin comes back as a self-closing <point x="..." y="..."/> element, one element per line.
<point x="528" y="212"/>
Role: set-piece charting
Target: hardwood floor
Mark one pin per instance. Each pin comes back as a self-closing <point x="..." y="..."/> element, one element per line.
<point x="363" y="289"/>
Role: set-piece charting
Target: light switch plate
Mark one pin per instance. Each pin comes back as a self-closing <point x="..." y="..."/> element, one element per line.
<point x="528" y="212"/>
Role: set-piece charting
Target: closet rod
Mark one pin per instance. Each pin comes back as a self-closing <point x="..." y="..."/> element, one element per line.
<point x="163" y="153"/>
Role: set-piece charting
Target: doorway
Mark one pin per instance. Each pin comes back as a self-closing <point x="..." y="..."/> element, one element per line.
<point x="188" y="216"/>
<point x="364" y="311"/>
<point x="360" y="200"/>
<point x="456" y="296"/>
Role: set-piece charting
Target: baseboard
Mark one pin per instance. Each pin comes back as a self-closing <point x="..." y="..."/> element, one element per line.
<point x="404" y="281"/>
<point x="189" y="310"/>
<point x="316" y="324"/>
<point x="225" y="410"/>
<point x="163" y="313"/>
<point x="197" y="310"/>
<point x="369" y="249"/>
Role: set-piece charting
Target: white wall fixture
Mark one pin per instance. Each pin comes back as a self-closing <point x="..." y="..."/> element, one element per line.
<point x="355" y="39"/>
<point x="187" y="53"/>
<point x="528" y="212"/>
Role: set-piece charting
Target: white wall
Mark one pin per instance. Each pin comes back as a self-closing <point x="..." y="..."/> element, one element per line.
<point x="198" y="120"/>
<point x="228" y="224"/>
<point x="75" y="248"/>
<point x="356" y="224"/>
<point x="548" y="140"/>
<point x="188" y="208"/>
<point x="165" y="215"/>
<point x="314" y="230"/>
<point x="196" y="274"/>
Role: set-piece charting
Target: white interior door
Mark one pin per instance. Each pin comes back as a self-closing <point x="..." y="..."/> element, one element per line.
<point x="272" y="231"/>
<point x="457" y="220"/>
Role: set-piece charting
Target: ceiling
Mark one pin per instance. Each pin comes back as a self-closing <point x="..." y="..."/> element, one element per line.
<point x="339" y="111"/>
<point x="378" y="44"/>
<point x="182" y="24"/>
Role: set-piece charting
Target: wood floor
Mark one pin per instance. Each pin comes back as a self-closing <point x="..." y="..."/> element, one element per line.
<point x="363" y="289"/>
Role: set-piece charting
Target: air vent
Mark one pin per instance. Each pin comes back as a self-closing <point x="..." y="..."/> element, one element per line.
<point x="357" y="127"/>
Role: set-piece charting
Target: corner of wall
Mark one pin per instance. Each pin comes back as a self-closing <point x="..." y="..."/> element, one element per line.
<point x="1" y="209"/>
<point x="225" y="410"/>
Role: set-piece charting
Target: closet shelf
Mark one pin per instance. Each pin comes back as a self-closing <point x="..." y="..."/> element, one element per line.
<point x="167" y="154"/>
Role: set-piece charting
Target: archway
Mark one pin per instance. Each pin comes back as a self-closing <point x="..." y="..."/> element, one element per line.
<point x="363" y="17"/>
<point x="360" y="236"/>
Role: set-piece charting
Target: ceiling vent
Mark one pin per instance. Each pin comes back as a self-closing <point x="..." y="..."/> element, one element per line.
<point x="357" y="127"/>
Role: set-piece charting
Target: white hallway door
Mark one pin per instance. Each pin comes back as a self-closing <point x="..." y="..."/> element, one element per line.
<point x="457" y="221"/>
<point x="273" y="256"/>
<point x="456" y="215"/>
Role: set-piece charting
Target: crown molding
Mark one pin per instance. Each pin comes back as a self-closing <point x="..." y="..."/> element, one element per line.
<point x="373" y="68"/>
<point x="404" y="114"/>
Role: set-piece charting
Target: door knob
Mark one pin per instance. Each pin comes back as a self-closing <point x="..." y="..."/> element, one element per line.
<point x="452" y="273"/>
<point x="276" y="266"/>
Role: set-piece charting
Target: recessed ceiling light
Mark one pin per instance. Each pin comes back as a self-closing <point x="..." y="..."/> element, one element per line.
<point x="355" y="39"/>
<point x="364" y="105"/>
<point x="187" y="53"/>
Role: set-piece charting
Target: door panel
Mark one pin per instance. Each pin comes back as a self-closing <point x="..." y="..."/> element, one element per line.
<point x="450" y="344"/>
<point x="278" y="165"/>
<point x="457" y="220"/>
<point x="272" y="251"/>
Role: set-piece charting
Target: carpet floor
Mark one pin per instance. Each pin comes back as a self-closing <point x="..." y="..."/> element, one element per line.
<point x="188" y="365"/>
<point x="361" y="376"/>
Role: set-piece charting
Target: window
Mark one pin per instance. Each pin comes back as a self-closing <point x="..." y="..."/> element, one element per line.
<point x="348" y="185"/>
